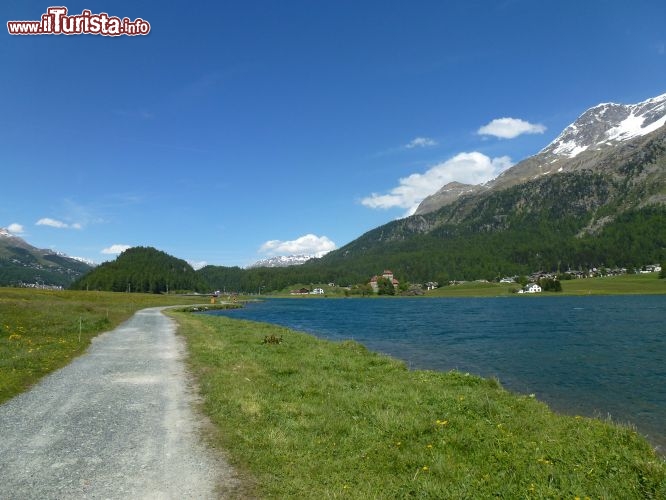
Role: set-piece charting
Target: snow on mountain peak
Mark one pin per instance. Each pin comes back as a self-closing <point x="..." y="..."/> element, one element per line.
<point x="607" y="124"/>
<point x="89" y="262"/>
<point x="282" y="261"/>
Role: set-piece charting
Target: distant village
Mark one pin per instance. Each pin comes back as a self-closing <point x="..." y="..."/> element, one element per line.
<point x="528" y="284"/>
<point x="37" y="285"/>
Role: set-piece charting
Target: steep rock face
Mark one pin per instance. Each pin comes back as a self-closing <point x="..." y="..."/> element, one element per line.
<point x="604" y="135"/>
<point x="606" y="159"/>
<point x="607" y="124"/>
<point x="446" y="195"/>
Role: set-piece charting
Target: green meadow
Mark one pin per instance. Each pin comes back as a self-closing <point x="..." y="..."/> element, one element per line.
<point x="42" y="330"/>
<point x="301" y="417"/>
<point x="628" y="284"/>
<point x="308" y="418"/>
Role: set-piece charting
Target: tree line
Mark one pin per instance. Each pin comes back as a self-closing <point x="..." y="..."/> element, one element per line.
<point x="142" y="269"/>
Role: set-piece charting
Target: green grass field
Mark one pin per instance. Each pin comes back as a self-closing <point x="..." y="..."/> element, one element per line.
<point x="41" y="330"/>
<point x="307" y="418"/>
<point x="629" y="284"/>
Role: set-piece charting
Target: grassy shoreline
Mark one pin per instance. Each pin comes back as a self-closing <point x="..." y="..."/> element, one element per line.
<point x="305" y="417"/>
<point x="309" y="418"/>
<point x="629" y="284"/>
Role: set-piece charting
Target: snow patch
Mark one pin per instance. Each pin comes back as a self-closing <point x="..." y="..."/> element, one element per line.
<point x="282" y="261"/>
<point x="570" y="149"/>
<point x="607" y="124"/>
<point x="632" y="126"/>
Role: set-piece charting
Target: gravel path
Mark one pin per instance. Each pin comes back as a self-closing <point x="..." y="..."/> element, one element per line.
<point x="118" y="422"/>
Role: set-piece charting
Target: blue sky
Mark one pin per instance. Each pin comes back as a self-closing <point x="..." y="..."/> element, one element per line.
<point x="240" y="130"/>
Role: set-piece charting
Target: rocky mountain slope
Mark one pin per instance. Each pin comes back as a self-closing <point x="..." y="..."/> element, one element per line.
<point x="594" y="197"/>
<point x="600" y="137"/>
<point x="22" y="263"/>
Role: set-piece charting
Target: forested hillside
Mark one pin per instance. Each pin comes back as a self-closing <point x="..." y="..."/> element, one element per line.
<point x="567" y="221"/>
<point x="607" y="210"/>
<point x="22" y="264"/>
<point x="143" y="269"/>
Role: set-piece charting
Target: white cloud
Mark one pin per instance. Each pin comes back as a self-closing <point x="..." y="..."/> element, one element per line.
<point x="308" y="244"/>
<point x="509" y="128"/>
<point x="468" y="168"/>
<point x="421" y="142"/>
<point x="15" y="228"/>
<point x="115" y="249"/>
<point x="197" y="264"/>
<point x="46" y="221"/>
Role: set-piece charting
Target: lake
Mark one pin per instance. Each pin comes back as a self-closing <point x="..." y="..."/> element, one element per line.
<point x="593" y="356"/>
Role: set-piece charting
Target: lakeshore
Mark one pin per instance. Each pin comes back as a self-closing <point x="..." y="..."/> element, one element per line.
<point x="597" y="356"/>
<point x="303" y="417"/>
<point x="307" y="418"/>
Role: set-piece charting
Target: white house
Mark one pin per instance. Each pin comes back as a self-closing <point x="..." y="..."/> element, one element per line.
<point x="317" y="291"/>
<point x="532" y="288"/>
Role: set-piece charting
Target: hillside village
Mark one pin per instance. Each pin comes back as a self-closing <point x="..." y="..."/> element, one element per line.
<point x="529" y="284"/>
<point x="537" y="282"/>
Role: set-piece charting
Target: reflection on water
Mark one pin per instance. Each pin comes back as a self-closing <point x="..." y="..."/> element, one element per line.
<point x="594" y="356"/>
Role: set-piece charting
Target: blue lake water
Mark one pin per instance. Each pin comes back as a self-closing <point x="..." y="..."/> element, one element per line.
<point x="594" y="356"/>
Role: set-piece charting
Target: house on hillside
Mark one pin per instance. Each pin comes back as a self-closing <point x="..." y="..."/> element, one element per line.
<point x="300" y="291"/>
<point x="386" y="274"/>
<point x="531" y="288"/>
<point x="654" y="268"/>
<point x="431" y="285"/>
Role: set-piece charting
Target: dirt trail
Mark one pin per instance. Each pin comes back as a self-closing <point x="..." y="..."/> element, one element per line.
<point x="118" y="422"/>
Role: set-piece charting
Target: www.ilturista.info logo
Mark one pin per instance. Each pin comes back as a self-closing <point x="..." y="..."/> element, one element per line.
<point x="56" y="22"/>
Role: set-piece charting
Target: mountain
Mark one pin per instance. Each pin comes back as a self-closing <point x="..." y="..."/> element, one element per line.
<point x="598" y="135"/>
<point x="446" y="195"/>
<point x="605" y="125"/>
<point x="22" y="263"/>
<point x="594" y="197"/>
<point x="142" y="269"/>
<point x="282" y="261"/>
